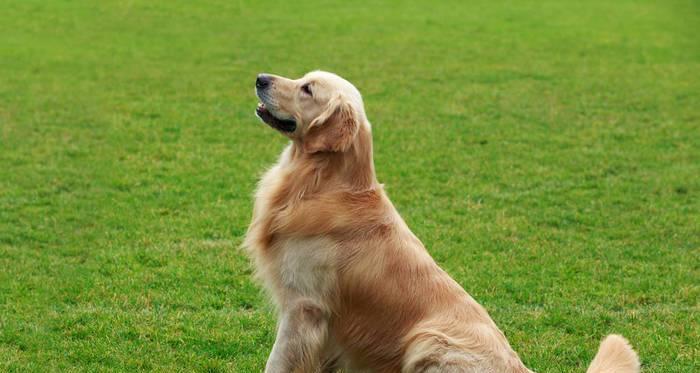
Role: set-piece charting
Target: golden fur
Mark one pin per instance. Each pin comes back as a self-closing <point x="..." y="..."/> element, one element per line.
<point x="355" y="289"/>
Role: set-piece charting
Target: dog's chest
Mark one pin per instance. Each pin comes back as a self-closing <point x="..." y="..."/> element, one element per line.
<point x="307" y="267"/>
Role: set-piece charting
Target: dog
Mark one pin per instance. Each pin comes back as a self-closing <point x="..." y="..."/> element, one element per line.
<point x="354" y="288"/>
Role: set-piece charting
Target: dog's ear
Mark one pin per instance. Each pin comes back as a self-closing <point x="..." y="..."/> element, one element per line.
<point x="333" y="130"/>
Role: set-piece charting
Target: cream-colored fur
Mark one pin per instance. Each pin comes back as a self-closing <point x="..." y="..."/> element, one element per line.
<point x="354" y="288"/>
<point x="615" y="355"/>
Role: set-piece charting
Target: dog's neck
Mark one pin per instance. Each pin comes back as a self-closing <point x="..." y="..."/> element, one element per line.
<point x="352" y="169"/>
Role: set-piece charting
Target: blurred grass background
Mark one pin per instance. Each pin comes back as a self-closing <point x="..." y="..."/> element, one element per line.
<point x="546" y="152"/>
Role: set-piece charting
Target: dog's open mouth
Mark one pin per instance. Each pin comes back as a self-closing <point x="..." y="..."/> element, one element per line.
<point x="279" y="124"/>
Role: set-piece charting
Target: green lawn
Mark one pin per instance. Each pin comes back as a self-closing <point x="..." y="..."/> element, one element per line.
<point x="547" y="154"/>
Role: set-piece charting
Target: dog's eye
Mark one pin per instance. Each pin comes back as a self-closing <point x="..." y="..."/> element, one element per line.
<point x="307" y="89"/>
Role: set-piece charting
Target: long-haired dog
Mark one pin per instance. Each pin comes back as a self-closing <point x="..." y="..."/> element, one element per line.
<point x="354" y="288"/>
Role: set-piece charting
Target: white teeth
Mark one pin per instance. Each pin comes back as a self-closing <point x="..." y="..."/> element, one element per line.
<point x="261" y="105"/>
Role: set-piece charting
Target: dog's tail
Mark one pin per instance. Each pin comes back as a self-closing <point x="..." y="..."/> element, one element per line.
<point x="615" y="355"/>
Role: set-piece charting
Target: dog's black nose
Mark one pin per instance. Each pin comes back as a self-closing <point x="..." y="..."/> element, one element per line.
<point x="263" y="81"/>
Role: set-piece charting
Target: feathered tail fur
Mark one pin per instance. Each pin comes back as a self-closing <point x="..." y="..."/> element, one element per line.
<point x="615" y="355"/>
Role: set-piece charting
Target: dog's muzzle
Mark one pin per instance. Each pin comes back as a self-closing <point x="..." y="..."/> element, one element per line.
<point x="266" y="116"/>
<point x="263" y="83"/>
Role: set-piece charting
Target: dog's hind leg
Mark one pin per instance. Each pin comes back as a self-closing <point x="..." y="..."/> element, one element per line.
<point x="301" y="337"/>
<point x="432" y="351"/>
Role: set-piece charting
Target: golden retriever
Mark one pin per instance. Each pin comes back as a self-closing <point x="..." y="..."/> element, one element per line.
<point x="354" y="288"/>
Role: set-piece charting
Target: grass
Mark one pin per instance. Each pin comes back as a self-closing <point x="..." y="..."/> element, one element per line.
<point x="547" y="154"/>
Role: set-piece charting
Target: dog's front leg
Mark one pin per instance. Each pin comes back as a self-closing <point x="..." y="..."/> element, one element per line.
<point x="301" y="338"/>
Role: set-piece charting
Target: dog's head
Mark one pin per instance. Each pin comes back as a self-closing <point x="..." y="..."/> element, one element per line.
<point x="321" y="111"/>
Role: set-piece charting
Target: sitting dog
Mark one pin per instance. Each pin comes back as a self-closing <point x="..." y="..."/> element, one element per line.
<point x="354" y="288"/>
